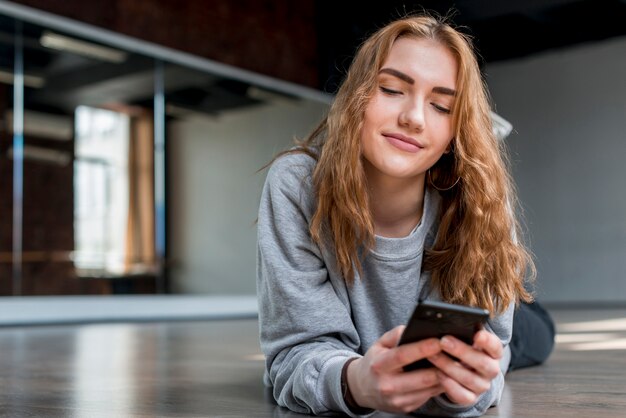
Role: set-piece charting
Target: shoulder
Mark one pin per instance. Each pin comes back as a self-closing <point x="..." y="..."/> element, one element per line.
<point x="289" y="184"/>
<point x="292" y="171"/>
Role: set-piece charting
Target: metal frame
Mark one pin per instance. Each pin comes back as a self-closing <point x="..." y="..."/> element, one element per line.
<point x="168" y="55"/>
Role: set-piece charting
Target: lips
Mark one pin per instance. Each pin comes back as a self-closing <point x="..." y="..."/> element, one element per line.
<point x="403" y="142"/>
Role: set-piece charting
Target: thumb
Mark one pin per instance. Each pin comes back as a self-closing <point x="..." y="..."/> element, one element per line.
<point x="390" y="338"/>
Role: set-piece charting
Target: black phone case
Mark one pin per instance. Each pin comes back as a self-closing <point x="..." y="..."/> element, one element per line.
<point x="432" y="319"/>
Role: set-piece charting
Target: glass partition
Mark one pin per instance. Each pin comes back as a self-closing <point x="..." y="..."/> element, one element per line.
<point x="136" y="174"/>
<point x="7" y="67"/>
<point x="88" y="171"/>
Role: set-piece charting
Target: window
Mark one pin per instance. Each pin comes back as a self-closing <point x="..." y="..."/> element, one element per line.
<point x="100" y="190"/>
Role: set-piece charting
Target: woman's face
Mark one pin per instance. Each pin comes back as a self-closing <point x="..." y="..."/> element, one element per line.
<point x="407" y="124"/>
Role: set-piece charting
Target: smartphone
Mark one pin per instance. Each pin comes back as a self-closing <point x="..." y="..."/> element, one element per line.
<point x="432" y="319"/>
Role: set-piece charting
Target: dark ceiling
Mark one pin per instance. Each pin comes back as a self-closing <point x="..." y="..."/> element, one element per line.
<point x="502" y="29"/>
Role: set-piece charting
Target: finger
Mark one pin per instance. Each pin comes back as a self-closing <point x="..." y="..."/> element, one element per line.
<point x="411" y="382"/>
<point x="470" y="379"/>
<point x="390" y="338"/>
<point x="478" y="360"/>
<point x="409" y="402"/>
<point x="398" y="357"/>
<point x="456" y="392"/>
<point x="425" y="395"/>
<point x="489" y="343"/>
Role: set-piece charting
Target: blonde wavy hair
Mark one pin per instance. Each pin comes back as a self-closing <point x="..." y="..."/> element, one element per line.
<point x="476" y="259"/>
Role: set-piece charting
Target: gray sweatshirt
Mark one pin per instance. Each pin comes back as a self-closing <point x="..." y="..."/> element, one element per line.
<point x="311" y="321"/>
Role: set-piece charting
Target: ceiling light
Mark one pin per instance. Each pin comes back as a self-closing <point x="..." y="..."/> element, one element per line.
<point x="29" y="80"/>
<point x="87" y="49"/>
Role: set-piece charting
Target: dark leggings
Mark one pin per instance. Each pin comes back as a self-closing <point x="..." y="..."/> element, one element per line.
<point x="533" y="336"/>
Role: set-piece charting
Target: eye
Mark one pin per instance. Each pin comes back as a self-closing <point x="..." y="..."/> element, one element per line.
<point x="390" y="91"/>
<point x="441" y="108"/>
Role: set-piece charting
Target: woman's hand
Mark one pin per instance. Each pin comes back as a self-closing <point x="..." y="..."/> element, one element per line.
<point x="378" y="381"/>
<point x="465" y="379"/>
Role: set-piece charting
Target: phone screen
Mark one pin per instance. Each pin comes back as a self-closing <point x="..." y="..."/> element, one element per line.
<point x="432" y="319"/>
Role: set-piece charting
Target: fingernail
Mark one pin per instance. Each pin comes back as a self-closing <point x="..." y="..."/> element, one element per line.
<point x="447" y="343"/>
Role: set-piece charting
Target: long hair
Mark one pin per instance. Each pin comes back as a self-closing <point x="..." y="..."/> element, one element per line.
<point x="476" y="259"/>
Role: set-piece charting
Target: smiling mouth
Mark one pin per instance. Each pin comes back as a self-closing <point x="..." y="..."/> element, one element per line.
<point x="403" y="143"/>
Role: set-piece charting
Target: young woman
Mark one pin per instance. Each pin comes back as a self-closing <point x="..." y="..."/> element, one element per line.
<point x="400" y="194"/>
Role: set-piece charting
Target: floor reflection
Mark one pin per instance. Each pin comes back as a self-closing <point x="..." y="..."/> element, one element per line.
<point x="104" y="377"/>
<point x="593" y="335"/>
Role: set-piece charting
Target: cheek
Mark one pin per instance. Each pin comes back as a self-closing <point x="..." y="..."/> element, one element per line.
<point x="375" y="111"/>
<point x="368" y="119"/>
<point x="445" y="133"/>
<point x="366" y="142"/>
<point x="369" y="145"/>
<point x="369" y="123"/>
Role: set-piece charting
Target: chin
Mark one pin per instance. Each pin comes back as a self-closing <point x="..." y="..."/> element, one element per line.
<point x="401" y="172"/>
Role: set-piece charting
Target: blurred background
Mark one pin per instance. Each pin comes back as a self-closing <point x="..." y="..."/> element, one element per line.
<point x="132" y="132"/>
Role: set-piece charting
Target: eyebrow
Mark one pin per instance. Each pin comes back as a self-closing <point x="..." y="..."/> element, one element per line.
<point x="408" y="79"/>
<point x="400" y="75"/>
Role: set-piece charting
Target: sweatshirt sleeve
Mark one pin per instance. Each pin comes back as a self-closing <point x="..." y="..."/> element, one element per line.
<point x="501" y="326"/>
<point x="306" y="330"/>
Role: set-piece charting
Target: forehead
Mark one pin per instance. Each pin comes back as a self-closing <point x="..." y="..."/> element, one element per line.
<point x="425" y="60"/>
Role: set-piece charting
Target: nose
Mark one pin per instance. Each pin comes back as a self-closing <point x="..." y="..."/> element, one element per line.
<point x="412" y="115"/>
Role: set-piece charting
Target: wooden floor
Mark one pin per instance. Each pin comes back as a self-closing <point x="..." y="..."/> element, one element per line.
<point x="214" y="369"/>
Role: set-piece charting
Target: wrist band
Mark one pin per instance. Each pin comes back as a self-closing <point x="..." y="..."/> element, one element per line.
<point x="347" y="395"/>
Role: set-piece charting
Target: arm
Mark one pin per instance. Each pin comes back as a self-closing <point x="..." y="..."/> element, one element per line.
<point x="306" y="329"/>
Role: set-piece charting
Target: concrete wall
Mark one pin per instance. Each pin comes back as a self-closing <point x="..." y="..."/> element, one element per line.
<point x="568" y="109"/>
